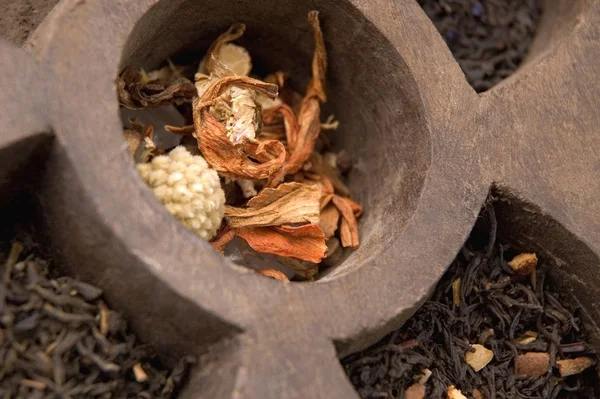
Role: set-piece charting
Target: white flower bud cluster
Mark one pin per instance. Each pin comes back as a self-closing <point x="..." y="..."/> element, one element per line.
<point x="188" y="188"/>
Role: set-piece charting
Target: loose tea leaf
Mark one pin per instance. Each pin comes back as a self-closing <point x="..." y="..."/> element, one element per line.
<point x="498" y="309"/>
<point x="59" y="340"/>
<point x="302" y="242"/>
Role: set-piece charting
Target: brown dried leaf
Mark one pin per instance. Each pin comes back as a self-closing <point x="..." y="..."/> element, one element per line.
<point x="349" y="225"/>
<point x="302" y="132"/>
<point x="303" y="242"/>
<point x="567" y="367"/>
<point x="330" y="218"/>
<point x="134" y="94"/>
<point x="223" y="237"/>
<point x="532" y="364"/>
<point x="415" y="391"/>
<point x="289" y="203"/>
<point x="274" y="274"/>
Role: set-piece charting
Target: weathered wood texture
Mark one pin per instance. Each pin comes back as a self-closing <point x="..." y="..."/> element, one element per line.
<point x="428" y="150"/>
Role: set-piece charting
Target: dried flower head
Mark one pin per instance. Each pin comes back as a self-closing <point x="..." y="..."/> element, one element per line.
<point x="188" y="188"/>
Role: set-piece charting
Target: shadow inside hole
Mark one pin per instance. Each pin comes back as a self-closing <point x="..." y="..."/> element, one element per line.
<point x="572" y="274"/>
<point x="370" y="91"/>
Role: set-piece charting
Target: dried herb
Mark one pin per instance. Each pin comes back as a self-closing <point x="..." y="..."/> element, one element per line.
<point x="279" y="190"/>
<point x="134" y="93"/>
<point x="58" y="339"/>
<point x="503" y="338"/>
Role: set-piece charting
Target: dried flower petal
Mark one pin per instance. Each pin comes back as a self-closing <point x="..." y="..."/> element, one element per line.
<point x="567" y="367"/>
<point x="330" y="218"/>
<point x="223" y="237"/>
<point x="349" y="225"/>
<point x="303" y="134"/>
<point x="275" y="274"/>
<point x="234" y="32"/>
<point x="480" y="358"/>
<point x="321" y="167"/>
<point x="221" y="153"/>
<point x="302" y="242"/>
<point x="287" y="204"/>
<point x="532" y="364"/>
<point x="134" y="94"/>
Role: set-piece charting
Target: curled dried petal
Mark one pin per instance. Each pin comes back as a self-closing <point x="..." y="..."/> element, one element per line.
<point x="134" y="94"/>
<point x="274" y="274"/>
<point x="234" y="32"/>
<point x="349" y="225"/>
<point x="221" y="153"/>
<point x="287" y="204"/>
<point x="223" y="237"/>
<point x="330" y="218"/>
<point x="303" y="242"/>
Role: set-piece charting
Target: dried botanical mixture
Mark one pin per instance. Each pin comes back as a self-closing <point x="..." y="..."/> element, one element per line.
<point x="59" y="340"/>
<point x="277" y="192"/>
<point x="493" y="329"/>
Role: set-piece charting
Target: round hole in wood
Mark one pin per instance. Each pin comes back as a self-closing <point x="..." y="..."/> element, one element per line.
<point x="370" y="91"/>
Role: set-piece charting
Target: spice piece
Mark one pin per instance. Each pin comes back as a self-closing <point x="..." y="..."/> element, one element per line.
<point x="456" y="292"/>
<point x="104" y="318"/>
<point x="415" y="391"/>
<point x="567" y="367"/>
<point x="289" y="203"/>
<point x="275" y="274"/>
<point x="480" y="358"/>
<point x="329" y="221"/>
<point x="532" y="364"/>
<point x="527" y="338"/>
<point x="139" y="373"/>
<point x="477" y="394"/>
<point x="423" y="377"/>
<point x="454" y="393"/>
<point x="524" y="264"/>
<point x="302" y="242"/>
<point x="349" y="225"/>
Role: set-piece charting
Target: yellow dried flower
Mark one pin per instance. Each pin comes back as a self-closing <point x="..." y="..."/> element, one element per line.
<point x="188" y="188"/>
